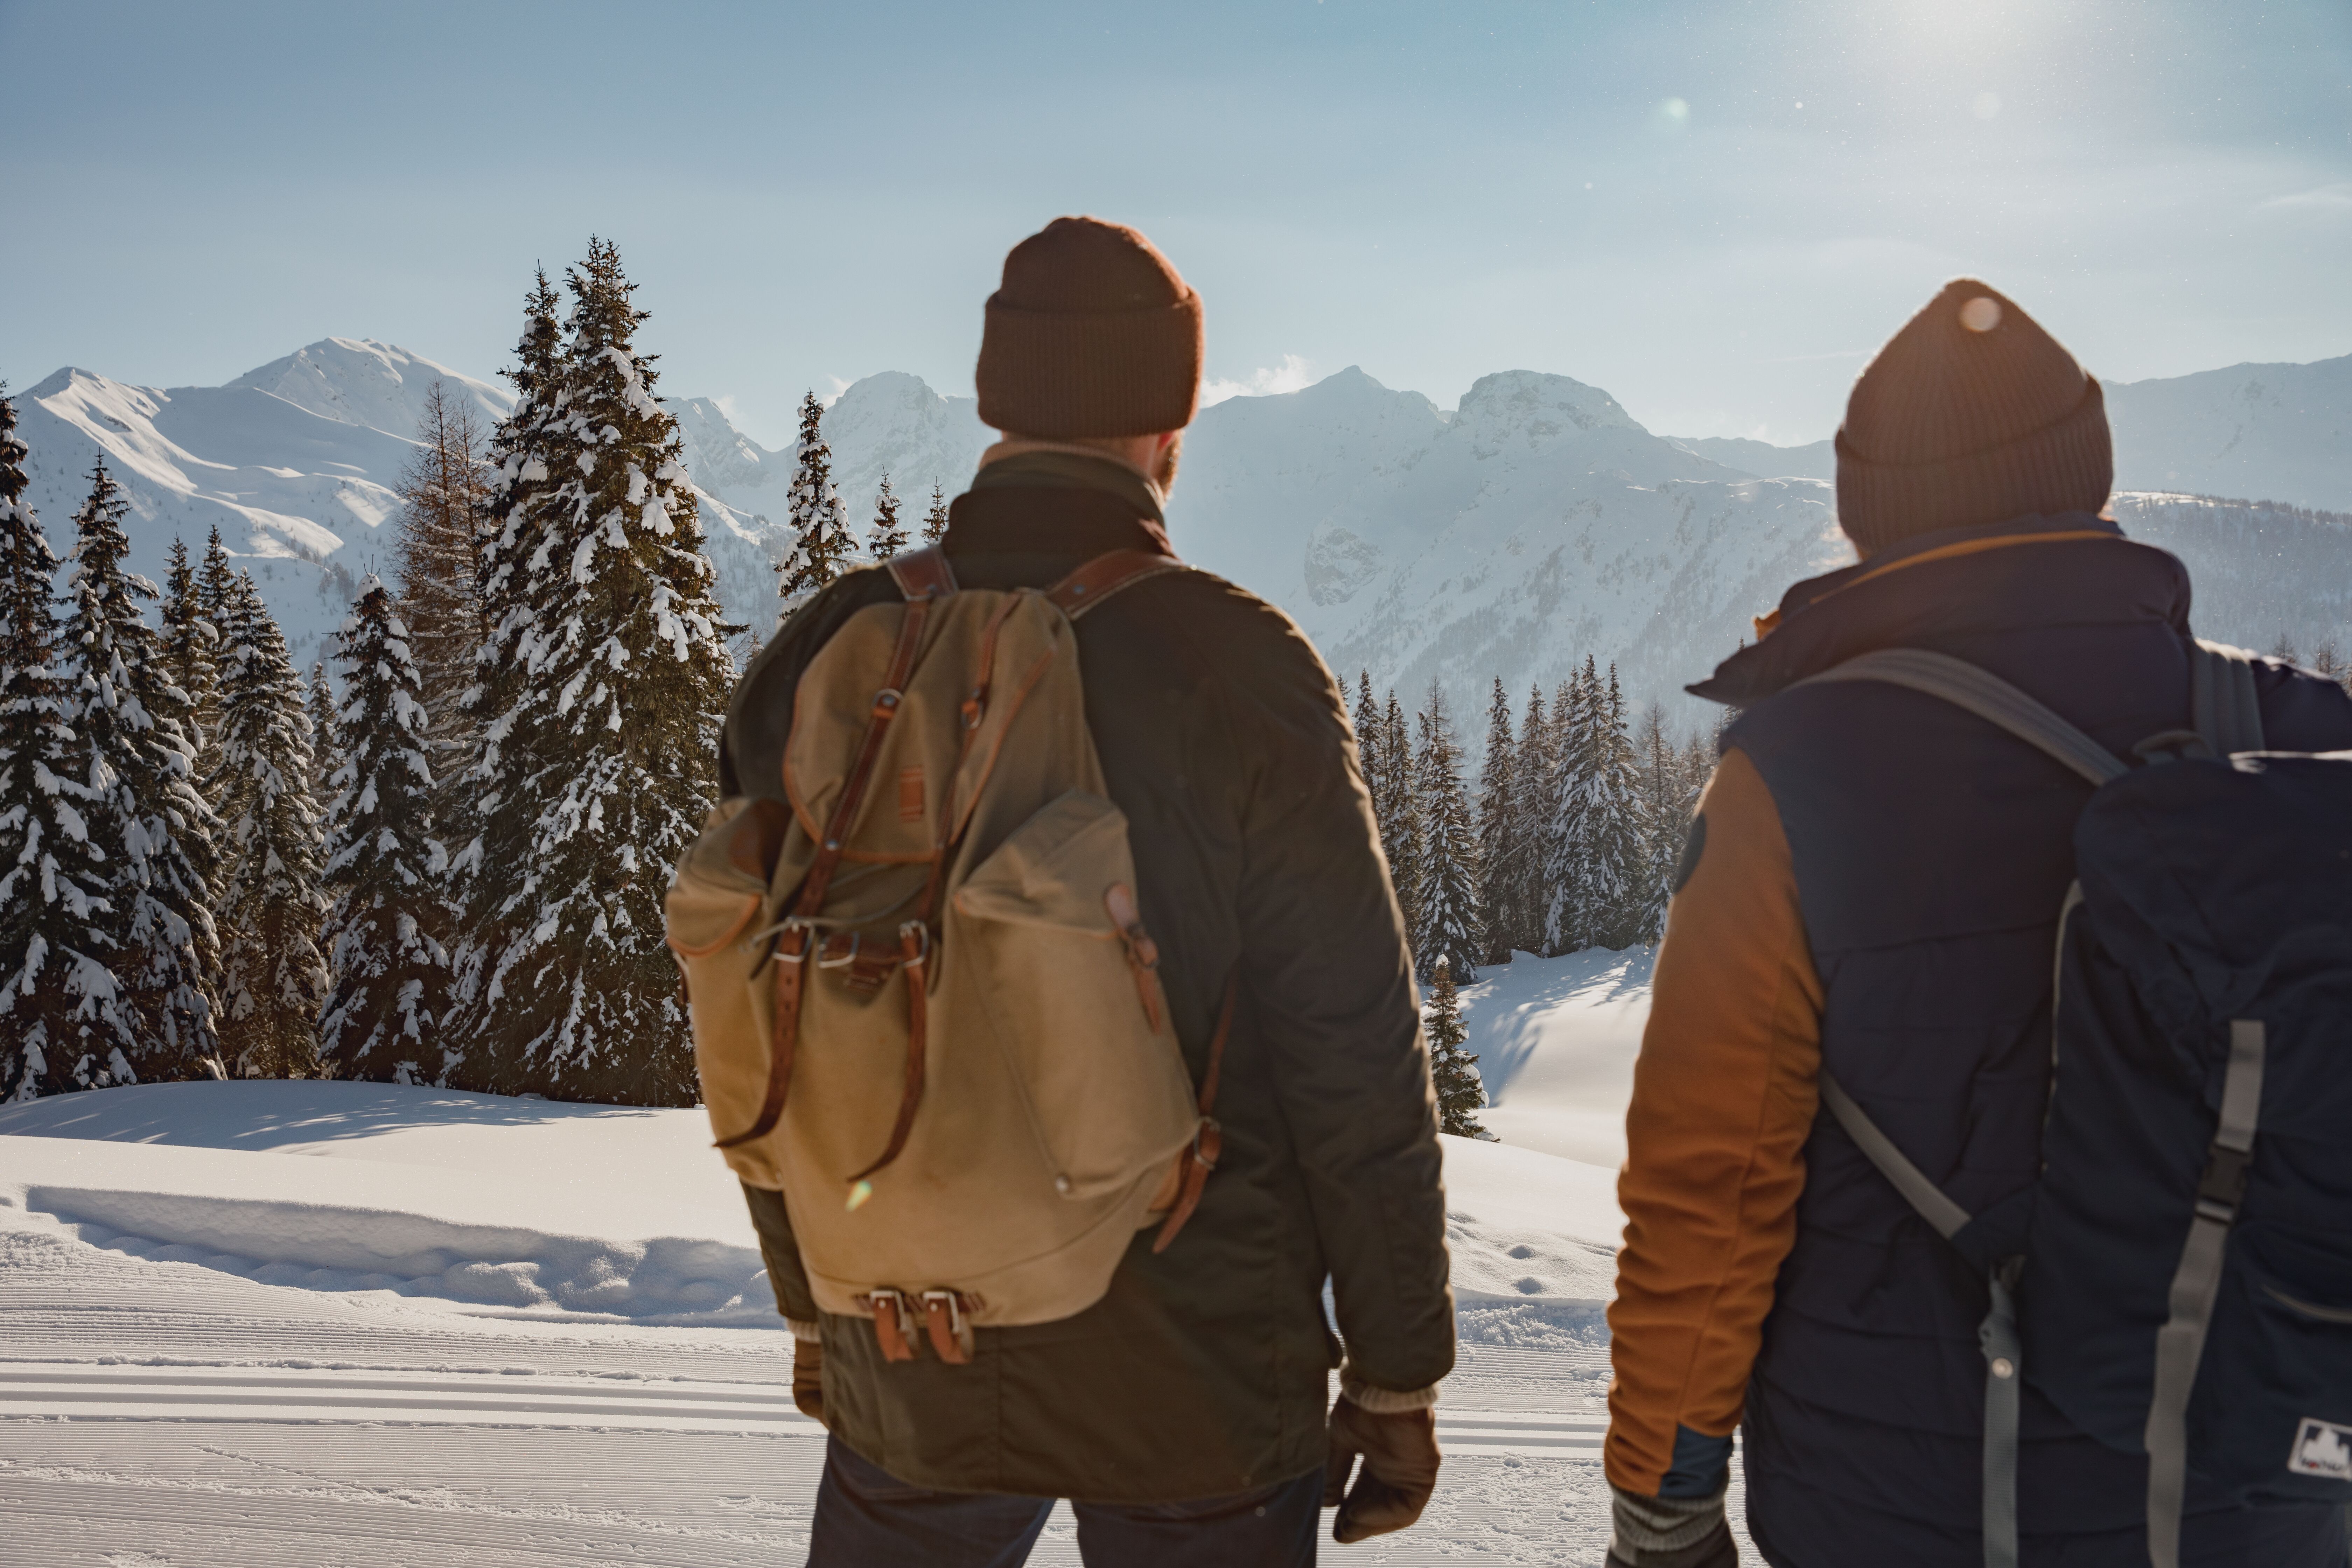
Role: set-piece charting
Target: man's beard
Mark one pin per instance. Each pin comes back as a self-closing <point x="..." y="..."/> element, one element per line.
<point x="1163" y="471"/>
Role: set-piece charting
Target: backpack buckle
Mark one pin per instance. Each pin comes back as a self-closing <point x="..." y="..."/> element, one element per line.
<point x="950" y="1330"/>
<point x="2222" y="1187"/>
<point x="894" y="1323"/>
<point x="833" y="953"/>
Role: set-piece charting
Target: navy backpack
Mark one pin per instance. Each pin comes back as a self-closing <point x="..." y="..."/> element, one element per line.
<point x="2180" y="1281"/>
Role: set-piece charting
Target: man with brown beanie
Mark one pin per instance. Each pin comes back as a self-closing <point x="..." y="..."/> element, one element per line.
<point x="1183" y="1414"/>
<point x="1871" y="891"/>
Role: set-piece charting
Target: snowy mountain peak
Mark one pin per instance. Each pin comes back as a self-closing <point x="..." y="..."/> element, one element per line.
<point x="1529" y="410"/>
<point x="358" y="380"/>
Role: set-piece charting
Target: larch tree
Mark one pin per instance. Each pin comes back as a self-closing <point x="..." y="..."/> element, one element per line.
<point x="1452" y="1071"/>
<point x="822" y="545"/>
<point x="603" y="768"/>
<point x="60" y="1009"/>
<point x="383" y="930"/>
<point x="273" y="976"/>
<point x="888" y="537"/>
<point x="935" y="522"/>
<point x="1446" y="925"/>
<point x="1498" y="866"/>
<point x="135" y="760"/>
<point x="445" y="491"/>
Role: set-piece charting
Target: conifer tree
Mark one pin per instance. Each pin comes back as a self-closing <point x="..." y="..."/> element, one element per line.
<point x="888" y="536"/>
<point x="822" y="545"/>
<point x="1452" y="1071"/>
<point x="1396" y="799"/>
<point x="1532" y="771"/>
<point x="1618" y="853"/>
<point x="135" y="761"/>
<point x="214" y="579"/>
<point x="1568" y="903"/>
<point x="1498" y="869"/>
<point x="935" y="522"/>
<point x="1663" y="824"/>
<point x="60" y="1005"/>
<point x="320" y="697"/>
<point x="272" y="976"/>
<point x="188" y="639"/>
<point x="1446" y="925"/>
<point x="382" y="931"/>
<point x="1370" y="730"/>
<point x="598" y="772"/>
<point x="444" y="490"/>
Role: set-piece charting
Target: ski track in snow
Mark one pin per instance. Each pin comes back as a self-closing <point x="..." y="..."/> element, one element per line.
<point x="232" y="1386"/>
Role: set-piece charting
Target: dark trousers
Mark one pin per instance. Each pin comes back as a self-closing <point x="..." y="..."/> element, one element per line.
<point x="866" y="1518"/>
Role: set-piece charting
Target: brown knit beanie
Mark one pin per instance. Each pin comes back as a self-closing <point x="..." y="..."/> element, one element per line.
<point x="1972" y="414"/>
<point x="1092" y="335"/>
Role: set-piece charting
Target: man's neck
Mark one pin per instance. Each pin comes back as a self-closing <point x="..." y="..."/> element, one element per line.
<point x="1022" y="459"/>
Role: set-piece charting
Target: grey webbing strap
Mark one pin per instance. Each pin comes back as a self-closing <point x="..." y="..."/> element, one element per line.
<point x="2181" y="1343"/>
<point x="2223" y="702"/>
<point x="1997" y="1335"/>
<point x="1987" y="696"/>
<point x="1921" y="1193"/>
<point x="2004" y="1356"/>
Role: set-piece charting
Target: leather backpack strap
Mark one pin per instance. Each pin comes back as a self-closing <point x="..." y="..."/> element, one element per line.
<point x="1105" y="574"/>
<point x="796" y="941"/>
<point x="1208" y="1139"/>
<point x="923" y="573"/>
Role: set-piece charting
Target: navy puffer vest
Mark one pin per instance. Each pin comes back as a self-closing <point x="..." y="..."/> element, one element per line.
<point x="1931" y="854"/>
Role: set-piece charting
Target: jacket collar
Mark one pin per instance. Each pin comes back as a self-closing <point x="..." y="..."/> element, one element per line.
<point x="1951" y="584"/>
<point x="1058" y="503"/>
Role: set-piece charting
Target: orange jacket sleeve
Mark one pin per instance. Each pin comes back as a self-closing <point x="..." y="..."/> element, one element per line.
<point x="1724" y="1096"/>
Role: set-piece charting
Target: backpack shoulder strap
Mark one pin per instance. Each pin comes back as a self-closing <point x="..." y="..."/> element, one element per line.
<point x="1107" y="574"/>
<point x="1987" y="696"/>
<point x="2223" y="702"/>
<point x="923" y="573"/>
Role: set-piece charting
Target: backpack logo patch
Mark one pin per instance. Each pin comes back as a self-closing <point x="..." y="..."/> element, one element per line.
<point x="2322" y="1448"/>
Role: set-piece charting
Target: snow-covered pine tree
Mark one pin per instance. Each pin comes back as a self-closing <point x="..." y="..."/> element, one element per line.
<point x="1446" y="924"/>
<point x="1568" y="907"/>
<point x="601" y="770"/>
<point x="1498" y="869"/>
<point x="1664" y="823"/>
<point x="1452" y="1071"/>
<point x="272" y="976"/>
<point x="1396" y="799"/>
<point x="444" y="490"/>
<point x="215" y="578"/>
<point x="1618" y="844"/>
<point x="318" y="696"/>
<point x="935" y="522"/>
<point x="188" y="639"/>
<point x="1531" y="804"/>
<point x="136" y="761"/>
<point x="1371" y="730"/>
<point x="382" y="932"/>
<point x="59" y="1005"/>
<point x="888" y="536"/>
<point x="822" y="545"/>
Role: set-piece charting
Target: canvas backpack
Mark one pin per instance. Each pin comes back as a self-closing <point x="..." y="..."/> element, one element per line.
<point x="2179" y="1283"/>
<point x="925" y="1007"/>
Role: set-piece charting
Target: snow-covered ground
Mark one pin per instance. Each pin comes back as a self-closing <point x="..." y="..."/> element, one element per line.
<point x="292" y="1324"/>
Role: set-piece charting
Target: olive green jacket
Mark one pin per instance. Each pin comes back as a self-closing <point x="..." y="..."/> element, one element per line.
<point x="1223" y="738"/>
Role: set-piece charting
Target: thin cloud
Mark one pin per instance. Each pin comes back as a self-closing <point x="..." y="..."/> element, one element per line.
<point x="2332" y="199"/>
<point x="1293" y="374"/>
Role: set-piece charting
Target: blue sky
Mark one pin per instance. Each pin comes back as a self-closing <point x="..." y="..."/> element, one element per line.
<point x="1714" y="210"/>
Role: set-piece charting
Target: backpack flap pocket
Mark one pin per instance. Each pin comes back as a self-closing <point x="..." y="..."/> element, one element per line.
<point x="1064" y="979"/>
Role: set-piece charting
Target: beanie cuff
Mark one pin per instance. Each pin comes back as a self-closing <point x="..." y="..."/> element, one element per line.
<point x="2067" y="465"/>
<point x="1067" y="376"/>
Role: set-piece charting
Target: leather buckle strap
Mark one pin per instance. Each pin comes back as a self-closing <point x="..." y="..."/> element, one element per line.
<point x="1199" y="1157"/>
<point x="894" y="1323"/>
<point x="945" y="1321"/>
<point x="915" y="953"/>
<point x="1105" y="574"/>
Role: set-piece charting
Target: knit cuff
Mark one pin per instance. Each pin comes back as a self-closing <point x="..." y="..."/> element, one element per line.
<point x="805" y="1328"/>
<point x="1382" y="1401"/>
<point x="1650" y="1524"/>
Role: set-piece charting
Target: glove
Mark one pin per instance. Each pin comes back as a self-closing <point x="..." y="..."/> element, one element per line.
<point x="808" y="1378"/>
<point x="1399" y="1455"/>
<point x="1670" y="1532"/>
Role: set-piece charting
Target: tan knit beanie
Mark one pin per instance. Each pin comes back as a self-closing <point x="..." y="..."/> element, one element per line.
<point x="1092" y="335"/>
<point x="1972" y="414"/>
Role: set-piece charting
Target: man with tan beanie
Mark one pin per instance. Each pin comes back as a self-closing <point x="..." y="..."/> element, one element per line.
<point x="1185" y="1414"/>
<point x="1872" y="892"/>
